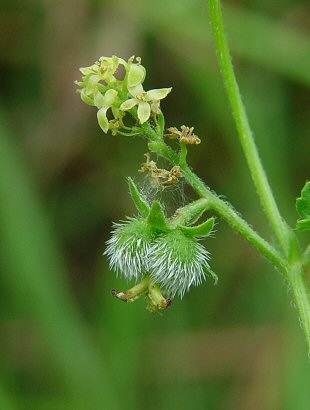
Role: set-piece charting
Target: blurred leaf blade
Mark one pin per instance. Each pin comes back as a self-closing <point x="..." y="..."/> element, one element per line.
<point x="253" y="36"/>
<point x="38" y="273"/>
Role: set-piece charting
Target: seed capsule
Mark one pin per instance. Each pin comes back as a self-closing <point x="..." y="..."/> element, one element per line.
<point x="128" y="248"/>
<point x="178" y="261"/>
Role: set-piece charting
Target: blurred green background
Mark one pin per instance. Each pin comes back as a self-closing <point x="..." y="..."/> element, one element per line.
<point x="65" y="343"/>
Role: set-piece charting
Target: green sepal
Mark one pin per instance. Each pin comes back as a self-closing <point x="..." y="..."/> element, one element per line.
<point x="137" y="198"/>
<point x="303" y="208"/>
<point x="201" y="230"/>
<point x="157" y="217"/>
<point x="197" y="216"/>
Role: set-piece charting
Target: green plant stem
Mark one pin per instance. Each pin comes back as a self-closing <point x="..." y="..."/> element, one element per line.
<point x="245" y="134"/>
<point x="226" y="211"/>
<point x="291" y="265"/>
<point x="221" y="207"/>
<point x="293" y="272"/>
<point x="285" y="236"/>
<point x="306" y="257"/>
<point x="301" y="296"/>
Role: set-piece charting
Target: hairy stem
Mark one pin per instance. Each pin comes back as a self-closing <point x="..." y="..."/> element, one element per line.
<point x="306" y="257"/>
<point x="226" y="211"/>
<point x="222" y="208"/>
<point x="245" y="134"/>
<point x="292" y="271"/>
<point x="285" y="236"/>
<point x="301" y="296"/>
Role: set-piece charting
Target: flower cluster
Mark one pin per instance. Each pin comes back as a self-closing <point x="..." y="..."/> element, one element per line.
<point x="101" y="87"/>
<point x="163" y="250"/>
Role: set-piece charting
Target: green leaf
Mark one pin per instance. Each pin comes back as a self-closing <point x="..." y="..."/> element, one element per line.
<point x="157" y="217"/>
<point x="303" y="208"/>
<point x="201" y="230"/>
<point x="138" y="199"/>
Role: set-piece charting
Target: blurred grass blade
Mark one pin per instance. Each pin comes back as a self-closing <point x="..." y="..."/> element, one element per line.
<point x="6" y="402"/>
<point x="253" y="36"/>
<point x="35" y="271"/>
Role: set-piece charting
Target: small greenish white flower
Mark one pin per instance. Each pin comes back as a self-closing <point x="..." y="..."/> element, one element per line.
<point x="102" y="70"/>
<point x="144" y="100"/>
<point x="177" y="262"/>
<point x="103" y="102"/>
<point x="128" y="248"/>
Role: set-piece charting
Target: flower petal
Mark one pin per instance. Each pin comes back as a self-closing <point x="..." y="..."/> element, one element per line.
<point x="86" y="70"/>
<point x="136" y="75"/>
<point x="137" y="90"/>
<point x="89" y="70"/>
<point x="108" y="66"/>
<point x="127" y="105"/>
<point x="85" y="98"/>
<point x="144" y="111"/>
<point x="109" y="98"/>
<point x="157" y="94"/>
<point x="99" y="100"/>
<point x="92" y="82"/>
<point x="102" y="119"/>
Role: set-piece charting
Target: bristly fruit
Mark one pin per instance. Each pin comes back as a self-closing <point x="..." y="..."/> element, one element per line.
<point x="128" y="248"/>
<point x="177" y="262"/>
